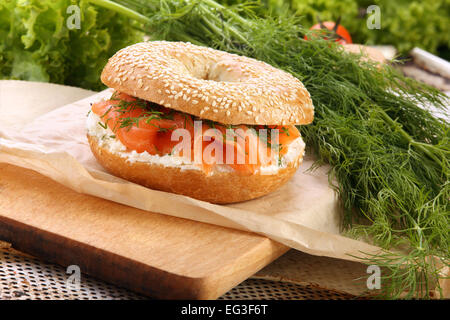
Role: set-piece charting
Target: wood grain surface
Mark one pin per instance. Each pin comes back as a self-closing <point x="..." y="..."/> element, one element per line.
<point x="154" y="254"/>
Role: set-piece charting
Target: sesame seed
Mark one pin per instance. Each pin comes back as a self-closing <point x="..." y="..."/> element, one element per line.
<point x="257" y="88"/>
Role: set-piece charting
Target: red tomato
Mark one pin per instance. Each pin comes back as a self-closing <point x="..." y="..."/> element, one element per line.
<point x="340" y="34"/>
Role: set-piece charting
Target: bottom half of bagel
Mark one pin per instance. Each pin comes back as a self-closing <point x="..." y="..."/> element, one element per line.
<point x="219" y="186"/>
<point x="167" y="173"/>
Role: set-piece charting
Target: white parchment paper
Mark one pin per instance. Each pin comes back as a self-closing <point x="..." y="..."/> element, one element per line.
<point x="304" y="214"/>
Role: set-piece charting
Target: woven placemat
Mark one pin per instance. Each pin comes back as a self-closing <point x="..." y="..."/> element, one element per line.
<point x="23" y="277"/>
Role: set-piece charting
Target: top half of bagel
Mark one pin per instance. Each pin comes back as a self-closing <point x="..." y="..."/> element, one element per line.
<point x="209" y="84"/>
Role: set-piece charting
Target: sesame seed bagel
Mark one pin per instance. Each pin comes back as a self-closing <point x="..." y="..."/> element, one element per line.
<point x="209" y="84"/>
<point x="219" y="187"/>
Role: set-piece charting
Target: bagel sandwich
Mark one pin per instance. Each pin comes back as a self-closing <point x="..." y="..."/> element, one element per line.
<point x="199" y="122"/>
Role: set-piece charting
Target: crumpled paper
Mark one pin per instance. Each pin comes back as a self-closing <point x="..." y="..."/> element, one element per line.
<point x="303" y="214"/>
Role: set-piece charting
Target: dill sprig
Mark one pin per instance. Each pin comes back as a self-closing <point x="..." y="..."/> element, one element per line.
<point x="151" y="111"/>
<point x="389" y="155"/>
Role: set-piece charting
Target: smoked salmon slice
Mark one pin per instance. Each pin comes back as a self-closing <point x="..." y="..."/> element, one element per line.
<point x="145" y="126"/>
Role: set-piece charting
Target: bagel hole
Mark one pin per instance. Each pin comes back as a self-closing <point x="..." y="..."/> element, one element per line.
<point x="223" y="71"/>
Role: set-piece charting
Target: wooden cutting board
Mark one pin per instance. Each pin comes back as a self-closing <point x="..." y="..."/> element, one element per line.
<point x="150" y="253"/>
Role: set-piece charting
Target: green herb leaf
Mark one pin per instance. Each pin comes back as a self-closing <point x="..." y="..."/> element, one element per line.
<point x="388" y="154"/>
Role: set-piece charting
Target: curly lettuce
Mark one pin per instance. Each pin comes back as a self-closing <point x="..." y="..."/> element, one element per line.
<point x="37" y="44"/>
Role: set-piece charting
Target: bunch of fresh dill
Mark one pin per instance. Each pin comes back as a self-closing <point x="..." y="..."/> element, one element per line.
<point x="388" y="154"/>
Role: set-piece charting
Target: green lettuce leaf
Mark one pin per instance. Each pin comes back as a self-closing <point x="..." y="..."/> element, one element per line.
<point x="39" y="46"/>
